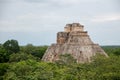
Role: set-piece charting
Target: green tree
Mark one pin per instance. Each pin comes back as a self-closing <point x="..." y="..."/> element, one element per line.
<point x="66" y="59"/>
<point x="117" y="52"/>
<point x="11" y="46"/>
<point x="3" y="69"/>
<point x="29" y="49"/>
<point x="37" y="51"/>
<point x="4" y="56"/>
<point x="20" y="57"/>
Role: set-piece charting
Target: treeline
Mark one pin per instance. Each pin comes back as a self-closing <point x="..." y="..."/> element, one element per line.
<point x="24" y="63"/>
<point x="112" y="50"/>
<point x="11" y="50"/>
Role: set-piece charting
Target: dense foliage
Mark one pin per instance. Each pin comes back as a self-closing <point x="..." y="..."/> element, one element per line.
<point x="26" y="65"/>
<point x="11" y="46"/>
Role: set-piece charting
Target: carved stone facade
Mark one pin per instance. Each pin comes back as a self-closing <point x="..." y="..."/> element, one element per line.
<point x="75" y="41"/>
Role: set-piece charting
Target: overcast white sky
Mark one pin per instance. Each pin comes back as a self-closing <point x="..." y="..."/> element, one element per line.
<point x="38" y="21"/>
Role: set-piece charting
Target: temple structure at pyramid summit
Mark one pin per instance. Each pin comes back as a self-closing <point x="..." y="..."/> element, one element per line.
<point x="75" y="41"/>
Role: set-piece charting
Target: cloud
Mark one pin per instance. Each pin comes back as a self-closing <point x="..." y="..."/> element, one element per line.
<point x="13" y="26"/>
<point x="39" y="16"/>
<point x="31" y="23"/>
<point x="7" y="1"/>
<point x="61" y="2"/>
<point x="106" y="18"/>
<point x="35" y="1"/>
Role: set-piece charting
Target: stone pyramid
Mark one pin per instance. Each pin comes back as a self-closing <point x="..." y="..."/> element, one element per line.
<point x="75" y="41"/>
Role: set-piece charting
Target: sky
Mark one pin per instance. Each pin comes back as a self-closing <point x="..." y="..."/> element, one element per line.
<point x="37" y="21"/>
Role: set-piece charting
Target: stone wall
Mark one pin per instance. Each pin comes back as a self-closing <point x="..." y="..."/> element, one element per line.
<point x="62" y="37"/>
<point x="73" y="27"/>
